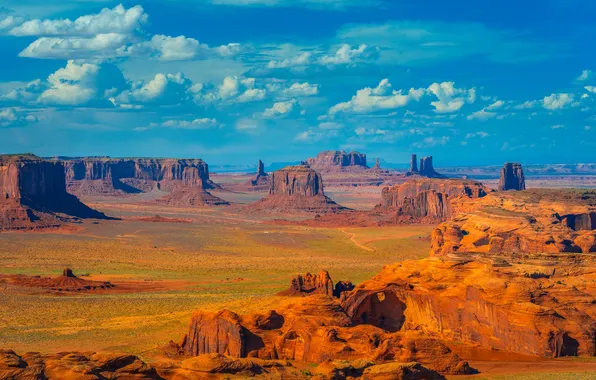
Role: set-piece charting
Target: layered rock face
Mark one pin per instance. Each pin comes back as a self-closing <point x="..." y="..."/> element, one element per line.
<point x="338" y="160"/>
<point x="33" y="194"/>
<point x="296" y="189"/>
<point x="532" y="221"/>
<point x="428" y="199"/>
<point x="536" y="305"/>
<point x="313" y="330"/>
<point x="261" y="180"/>
<point x="109" y="176"/>
<point x="512" y="177"/>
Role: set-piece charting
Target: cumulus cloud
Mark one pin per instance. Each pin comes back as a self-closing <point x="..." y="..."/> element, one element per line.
<point x="591" y="89"/>
<point x="485" y="113"/>
<point x="181" y="48"/>
<point x="116" y="20"/>
<point x="302" y="59"/>
<point x="99" y="46"/>
<point x="450" y="98"/>
<point x="557" y="101"/>
<point x="343" y="55"/>
<point x="301" y="89"/>
<point x="82" y="84"/>
<point x="283" y="109"/>
<point x="480" y="134"/>
<point x="163" y="89"/>
<point x="13" y="117"/>
<point x="24" y="95"/>
<point x="9" y="22"/>
<point x="379" y="98"/>
<point x="348" y="55"/>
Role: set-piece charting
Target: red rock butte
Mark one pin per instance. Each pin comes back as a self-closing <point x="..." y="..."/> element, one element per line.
<point x="512" y="177"/>
<point x="33" y="194"/>
<point x="296" y="189"/>
<point x="428" y="200"/>
<point x="338" y="160"/>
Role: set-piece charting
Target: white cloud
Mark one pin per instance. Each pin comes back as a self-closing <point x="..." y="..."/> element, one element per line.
<point x="12" y="117"/>
<point x="116" y="20"/>
<point x="450" y="98"/>
<point x="283" y="109"/>
<point x="378" y="98"/>
<point x="482" y="115"/>
<point x="299" y="60"/>
<point x="345" y="54"/>
<point x="25" y="95"/>
<point x="98" y="46"/>
<point x="495" y="106"/>
<point x="558" y="126"/>
<point x="480" y="134"/>
<point x="526" y="105"/>
<point x="585" y="75"/>
<point x="163" y="89"/>
<point x="81" y="84"/>
<point x="10" y="22"/>
<point x="301" y="89"/>
<point x="201" y="123"/>
<point x="181" y="48"/>
<point x="557" y="101"/>
<point x="591" y="89"/>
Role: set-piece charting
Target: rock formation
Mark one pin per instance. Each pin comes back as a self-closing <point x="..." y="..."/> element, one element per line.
<point x="413" y="164"/>
<point x="309" y="284"/>
<point x="531" y="305"/>
<point x="33" y="194"/>
<point x="532" y="221"/>
<point x="312" y="330"/>
<point x="428" y="199"/>
<point x="113" y="176"/>
<point x="426" y="168"/>
<point x="191" y="197"/>
<point x="338" y="160"/>
<point x="296" y="189"/>
<point x="68" y="282"/>
<point x="512" y="177"/>
<point x="73" y="365"/>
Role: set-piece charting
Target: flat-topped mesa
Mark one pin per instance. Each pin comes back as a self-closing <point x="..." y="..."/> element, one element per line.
<point x="520" y="222"/>
<point x="33" y="192"/>
<point x="110" y="176"/>
<point x="298" y="180"/>
<point x="296" y="189"/>
<point x="512" y="177"/>
<point x="338" y="160"/>
<point x="428" y="199"/>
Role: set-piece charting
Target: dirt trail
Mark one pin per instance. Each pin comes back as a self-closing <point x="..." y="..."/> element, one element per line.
<point x="359" y="245"/>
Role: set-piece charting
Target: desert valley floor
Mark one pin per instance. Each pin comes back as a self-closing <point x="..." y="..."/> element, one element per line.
<point x="207" y="258"/>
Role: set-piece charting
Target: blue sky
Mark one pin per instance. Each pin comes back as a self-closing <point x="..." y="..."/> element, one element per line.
<point x="231" y="81"/>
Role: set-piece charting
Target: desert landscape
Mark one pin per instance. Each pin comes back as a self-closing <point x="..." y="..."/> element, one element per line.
<point x="155" y="268"/>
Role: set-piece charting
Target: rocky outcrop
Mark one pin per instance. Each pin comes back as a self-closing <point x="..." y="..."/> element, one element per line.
<point x="426" y="168"/>
<point x="73" y="365"/>
<point x="309" y="284"/>
<point x="428" y="199"/>
<point x="33" y="194"/>
<point x="531" y="305"/>
<point x="113" y="176"/>
<point x="338" y="160"/>
<point x="68" y="282"/>
<point x="191" y="197"/>
<point x="532" y="221"/>
<point x="312" y="330"/>
<point x="512" y="177"/>
<point x="296" y="189"/>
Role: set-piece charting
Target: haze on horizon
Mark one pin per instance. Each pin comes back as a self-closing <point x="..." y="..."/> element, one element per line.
<point x="280" y="80"/>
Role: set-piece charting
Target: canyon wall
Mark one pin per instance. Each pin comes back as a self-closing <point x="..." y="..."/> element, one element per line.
<point x="33" y="193"/>
<point x="428" y="198"/>
<point x="109" y="176"/>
